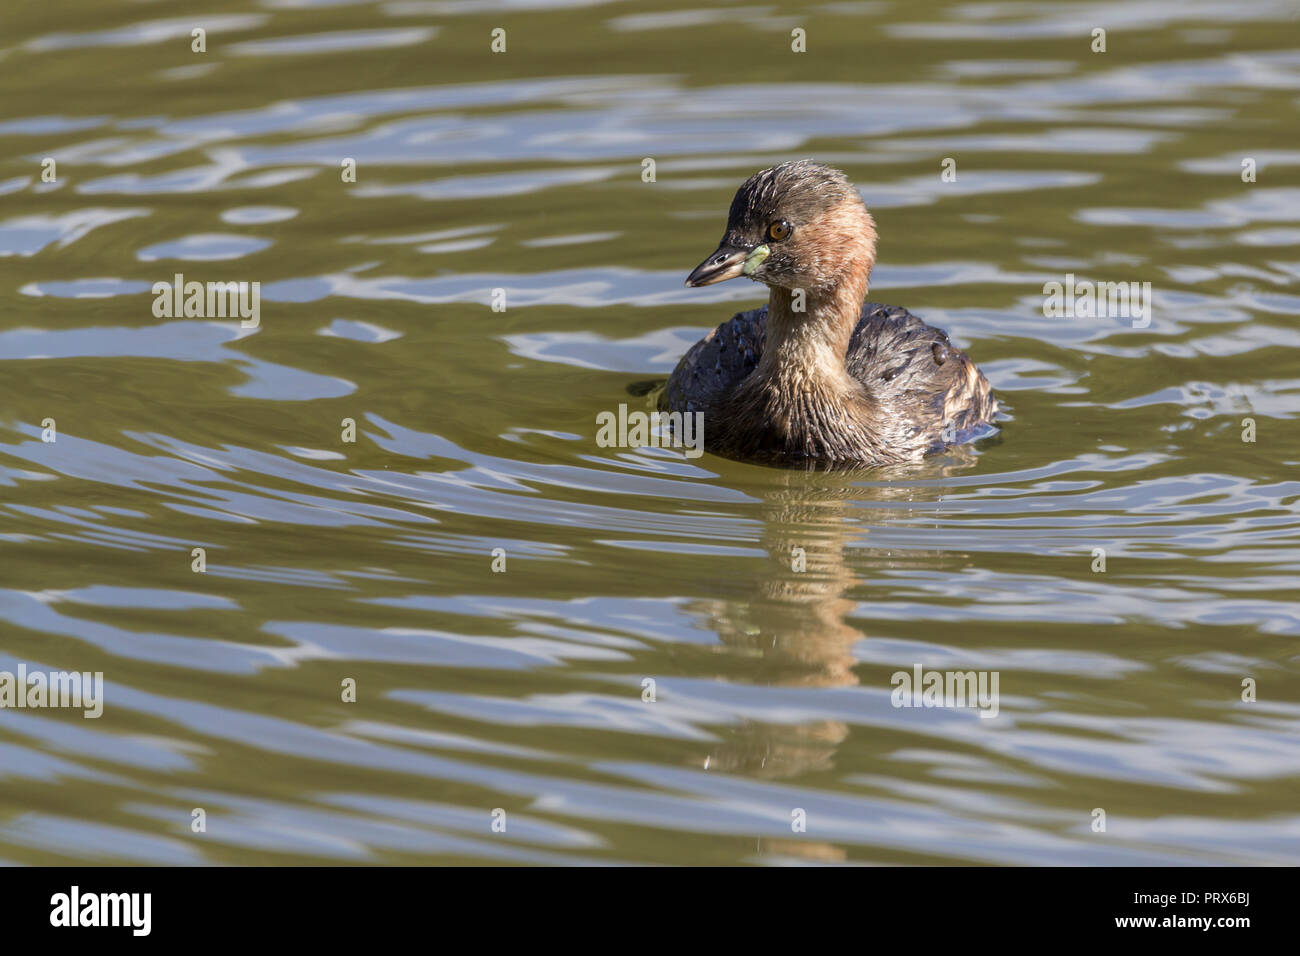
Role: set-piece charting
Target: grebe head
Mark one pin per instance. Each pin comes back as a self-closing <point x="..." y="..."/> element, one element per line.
<point x="799" y="225"/>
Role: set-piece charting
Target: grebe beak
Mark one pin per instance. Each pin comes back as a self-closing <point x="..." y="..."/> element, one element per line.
<point x="726" y="262"/>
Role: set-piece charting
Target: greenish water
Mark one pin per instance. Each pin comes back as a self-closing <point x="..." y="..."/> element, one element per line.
<point x="372" y="561"/>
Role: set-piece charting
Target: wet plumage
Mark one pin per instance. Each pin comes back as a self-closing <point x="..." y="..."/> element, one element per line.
<point x="816" y="376"/>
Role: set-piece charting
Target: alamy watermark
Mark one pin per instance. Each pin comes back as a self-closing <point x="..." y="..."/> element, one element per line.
<point x="922" y="688"/>
<point x="640" y="429"/>
<point x="82" y="690"/>
<point x="1082" y="299"/>
<point x="208" y="300"/>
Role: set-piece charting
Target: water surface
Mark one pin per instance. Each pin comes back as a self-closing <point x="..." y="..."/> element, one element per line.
<point x="372" y="561"/>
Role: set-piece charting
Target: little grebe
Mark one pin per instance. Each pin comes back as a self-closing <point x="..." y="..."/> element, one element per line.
<point x="816" y="375"/>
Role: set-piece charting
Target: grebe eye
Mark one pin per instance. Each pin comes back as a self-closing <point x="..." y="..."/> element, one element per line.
<point x="778" y="230"/>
